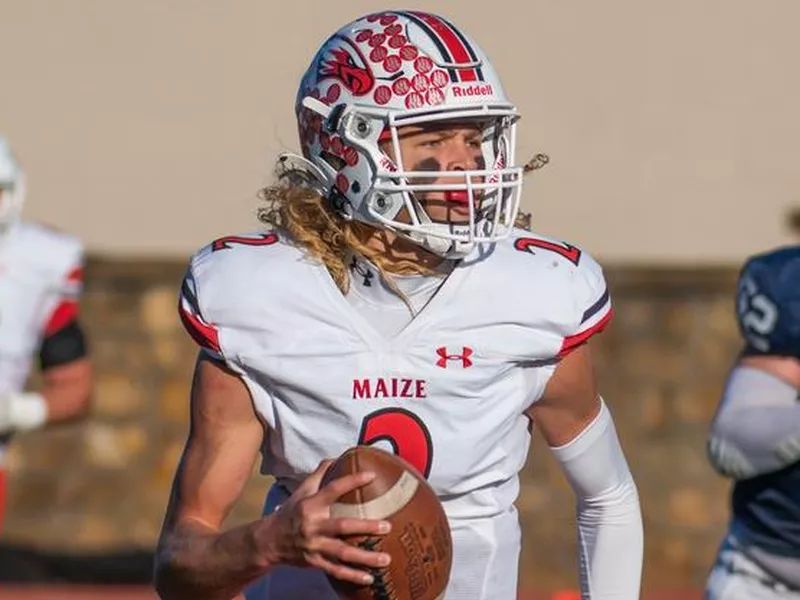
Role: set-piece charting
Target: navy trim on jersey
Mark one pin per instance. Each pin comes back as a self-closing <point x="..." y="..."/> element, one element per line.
<point x="187" y="293"/>
<point x="595" y="308"/>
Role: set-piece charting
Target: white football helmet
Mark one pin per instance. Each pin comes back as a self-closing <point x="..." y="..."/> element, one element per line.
<point x="391" y="69"/>
<point x="12" y="188"/>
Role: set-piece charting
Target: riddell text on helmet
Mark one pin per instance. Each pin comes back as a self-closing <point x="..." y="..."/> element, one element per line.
<point x="468" y="91"/>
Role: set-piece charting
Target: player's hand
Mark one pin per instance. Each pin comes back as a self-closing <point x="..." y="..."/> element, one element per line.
<point x="303" y="533"/>
<point x="21" y="412"/>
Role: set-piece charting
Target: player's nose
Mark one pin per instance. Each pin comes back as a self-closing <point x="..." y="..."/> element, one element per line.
<point x="462" y="155"/>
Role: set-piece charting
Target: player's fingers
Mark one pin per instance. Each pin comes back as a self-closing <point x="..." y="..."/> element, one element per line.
<point x="339" y="487"/>
<point x="310" y="484"/>
<point x="348" y="526"/>
<point x="339" y="551"/>
<point x="343" y="572"/>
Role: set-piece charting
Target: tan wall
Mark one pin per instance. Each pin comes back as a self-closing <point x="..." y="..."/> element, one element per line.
<point x="104" y="483"/>
<point x="147" y="127"/>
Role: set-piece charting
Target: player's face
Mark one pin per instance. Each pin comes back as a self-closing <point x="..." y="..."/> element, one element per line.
<point x="441" y="147"/>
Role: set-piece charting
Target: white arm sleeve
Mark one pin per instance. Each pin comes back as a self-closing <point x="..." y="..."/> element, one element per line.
<point x="610" y="535"/>
<point x="757" y="427"/>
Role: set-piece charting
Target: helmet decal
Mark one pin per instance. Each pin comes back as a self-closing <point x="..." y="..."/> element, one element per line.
<point x="350" y="68"/>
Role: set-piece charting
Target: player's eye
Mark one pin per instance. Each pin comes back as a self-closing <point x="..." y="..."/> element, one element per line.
<point x="432" y="143"/>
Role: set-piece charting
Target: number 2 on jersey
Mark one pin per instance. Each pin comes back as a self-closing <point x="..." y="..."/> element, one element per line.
<point x="405" y="431"/>
<point x="568" y="251"/>
<point x="758" y="314"/>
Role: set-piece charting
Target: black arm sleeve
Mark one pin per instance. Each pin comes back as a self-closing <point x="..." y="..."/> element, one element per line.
<point x="62" y="347"/>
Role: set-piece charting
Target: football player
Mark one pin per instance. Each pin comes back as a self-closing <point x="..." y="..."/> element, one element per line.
<point x="390" y="300"/>
<point x="40" y="281"/>
<point x="755" y="437"/>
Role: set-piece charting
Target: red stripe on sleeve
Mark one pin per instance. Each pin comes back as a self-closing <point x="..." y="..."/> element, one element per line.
<point x="573" y="341"/>
<point x="204" y="334"/>
<point x="64" y="314"/>
<point x="75" y="275"/>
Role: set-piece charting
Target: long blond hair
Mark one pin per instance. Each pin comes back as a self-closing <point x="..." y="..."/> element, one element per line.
<point x="294" y="205"/>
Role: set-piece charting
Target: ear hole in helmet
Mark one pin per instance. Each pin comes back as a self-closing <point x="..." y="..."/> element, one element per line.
<point x="334" y="161"/>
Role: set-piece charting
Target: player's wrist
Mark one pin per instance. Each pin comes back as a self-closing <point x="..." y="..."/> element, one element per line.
<point x="24" y="411"/>
<point x="264" y="542"/>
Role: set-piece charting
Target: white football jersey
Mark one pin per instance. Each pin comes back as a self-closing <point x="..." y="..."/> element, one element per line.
<point x="41" y="273"/>
<point x="448" y="393"/>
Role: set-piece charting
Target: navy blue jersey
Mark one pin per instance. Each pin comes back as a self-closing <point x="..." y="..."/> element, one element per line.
<point x="768" y="507"/>
<point x="768" y="309"/>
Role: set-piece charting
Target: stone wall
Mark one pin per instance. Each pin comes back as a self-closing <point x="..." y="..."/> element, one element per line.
<point x="103" y="484"/>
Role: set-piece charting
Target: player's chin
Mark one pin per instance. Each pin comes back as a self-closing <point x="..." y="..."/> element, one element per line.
<point x="443" y="211"/>
<point x="452" y="218"/>
<point x="458" y="217"/>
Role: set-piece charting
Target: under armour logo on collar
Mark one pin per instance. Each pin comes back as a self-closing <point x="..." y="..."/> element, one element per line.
<point x="444" y="357"/>
<point x="362" y="270"/>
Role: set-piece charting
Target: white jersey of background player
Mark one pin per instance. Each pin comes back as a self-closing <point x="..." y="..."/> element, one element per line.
<point x="41" y="274"/>
<point x="393" y="303"/>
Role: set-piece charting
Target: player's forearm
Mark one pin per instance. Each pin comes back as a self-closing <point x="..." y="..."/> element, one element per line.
<point x="27" y="411"/>
<point x="609" y="517"/>
<point x="67" y="390"/>
<point x="197" y="561"/>
<point x="67" y="403"/>
<point x="611" y="544"/>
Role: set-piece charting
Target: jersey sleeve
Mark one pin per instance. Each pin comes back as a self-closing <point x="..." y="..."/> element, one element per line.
<point x="592" y="305"/>
<point x="67" y="291"/>
<point x="55" y="259"/>
<point x="219" y="311"/>
<point x="201" y="330"/>
<point x="63" y="340"/>
<point x="217" y="305"/>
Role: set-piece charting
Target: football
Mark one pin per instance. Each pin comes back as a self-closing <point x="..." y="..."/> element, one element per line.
<point x="419" y="542"/>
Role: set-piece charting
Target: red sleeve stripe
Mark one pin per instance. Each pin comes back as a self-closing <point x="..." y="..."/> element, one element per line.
<point x="73" y="283"/>
<point x="573" y="341"/>
<point x="75" y="275"/>
<point x="64" y="314"/>
<point x="204" y="334"/>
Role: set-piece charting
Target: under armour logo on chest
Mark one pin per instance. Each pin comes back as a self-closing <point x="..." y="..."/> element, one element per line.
<point x="363" y="271"/>
<point x="444" y="357"/>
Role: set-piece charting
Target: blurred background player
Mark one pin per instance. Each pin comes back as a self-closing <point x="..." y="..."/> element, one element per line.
<point x="755" y="437"/>
<point x="41" y="274"/>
